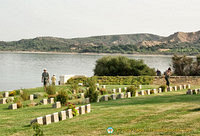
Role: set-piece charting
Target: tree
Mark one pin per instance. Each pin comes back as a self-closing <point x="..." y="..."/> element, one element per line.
<point x="121" y="66"/>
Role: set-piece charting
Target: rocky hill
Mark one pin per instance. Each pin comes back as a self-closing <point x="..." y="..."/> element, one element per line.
<point x="179" y="42"/>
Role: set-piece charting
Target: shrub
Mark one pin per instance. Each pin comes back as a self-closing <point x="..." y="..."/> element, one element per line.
<point x="103" y="91"/>
<point x="9" y="100"/>
<point x="62" y="97"/>
<point x="121" y="66"/>
<point x="163" y="87"/>
<point x="38" y="95"/>
<point x="91" y="91"/>
<point x="131" y="89"/>
<point x="72" y="106"/>
<point x="1" y="96"/>
<point x="51" y="89"/>
<point x="17" y="92"/>
<point x="38" y="131"/>
<point x="12" y="93"/>
<point x="25" y="95"/>
<point x="52" y="96"/>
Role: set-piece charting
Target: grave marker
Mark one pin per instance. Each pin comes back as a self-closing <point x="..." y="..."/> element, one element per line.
<point x="47" y="119"/>
<point x="54" y="117"/>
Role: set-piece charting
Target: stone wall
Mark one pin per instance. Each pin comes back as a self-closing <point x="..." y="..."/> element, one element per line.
<point x="177" y="80"/>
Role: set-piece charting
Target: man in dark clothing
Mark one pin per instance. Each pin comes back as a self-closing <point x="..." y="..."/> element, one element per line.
<point x="45" y="78"/>
<point x="158" y="72"/>
<point x="167" y="75"/>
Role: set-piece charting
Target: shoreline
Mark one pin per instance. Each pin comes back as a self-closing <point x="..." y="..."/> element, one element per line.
<point x="74" y="53"/>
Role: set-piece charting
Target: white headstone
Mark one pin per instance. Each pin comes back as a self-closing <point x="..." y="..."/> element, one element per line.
<point x="44" y="101"/>
<point x="3" y="101"/>
<point x="114" y="90"/>
<point x="6" y="94"/>
<point x="184" y="87"/>
<point x="54" y="117"/>
<point x="120" y="96"/>
<point x="82" y="110"/>
<point x="31" y="97"/>
<point x="125" y="88"/>
<point x="38" y="120"/>
<point x="47" y="119"/>
<point x="154" y="91"/>
<point x="159" y="90"/>
<point x="128" y="94"/>
<point x="136" y="94"/>
<point x="148" y="92"/>
<point x="63" y="115"/>
<point x="51" y="100"/>
<point x="113" y="96"/>
<point x="142" y="92"/>
<point x="87" y="100"/>
<point x="119" y="90"/>
<point x="105" y="98"/>
<point x="140" y="86"/>
<point x="87" y="108"/>
<point x="82" y="95"/>
<point x="188" y="86"/>
<point x="104" y="86"/>
<point x="56" y="105"/>
<point x="180" y="87"/>
<point x="175" y="88"/>
<point x="13" y="106"/>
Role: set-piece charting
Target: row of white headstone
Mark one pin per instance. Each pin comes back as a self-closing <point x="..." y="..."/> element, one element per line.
<point x="194" y="91"/>
<point x="114" y="96"/>
<point x="4" y="100"/>
<point x="62" y="115"/>
<point x="169" y="89"/>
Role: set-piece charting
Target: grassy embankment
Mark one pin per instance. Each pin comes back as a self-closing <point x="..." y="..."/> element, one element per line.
<point x="170" y="113"/>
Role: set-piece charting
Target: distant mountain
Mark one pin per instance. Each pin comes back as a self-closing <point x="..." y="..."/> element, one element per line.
<point x="179" y="42"/>
<point x="178" y="37"/>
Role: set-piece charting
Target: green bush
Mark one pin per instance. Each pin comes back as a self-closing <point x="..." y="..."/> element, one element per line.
<point x="25" y="95"/>
<point x="91" y="91"/>
<point x="121" y="66"/>
<point x="62" y="97"/>
<point x="131" y="89"/>
<point x="72" y="106"/>
<point x="51" y="90"/>
<point x="37" y="129"/>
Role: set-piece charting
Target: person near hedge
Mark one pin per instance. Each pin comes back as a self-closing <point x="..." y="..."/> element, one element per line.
<point x="167" y="75"/>
<point x="53" y="79"/>
<point x="45" y="78"/>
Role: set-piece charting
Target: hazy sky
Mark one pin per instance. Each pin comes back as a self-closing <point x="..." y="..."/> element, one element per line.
<point x="22" y="19"/>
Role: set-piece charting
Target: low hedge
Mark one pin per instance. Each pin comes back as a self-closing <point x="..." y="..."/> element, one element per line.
<point x="115" y="80"/>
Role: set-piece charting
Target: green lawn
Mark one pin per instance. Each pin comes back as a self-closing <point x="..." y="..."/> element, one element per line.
<point x="170" y="113"/>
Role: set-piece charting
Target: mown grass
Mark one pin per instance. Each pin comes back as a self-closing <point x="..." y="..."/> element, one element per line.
<point x="170" y="113"/>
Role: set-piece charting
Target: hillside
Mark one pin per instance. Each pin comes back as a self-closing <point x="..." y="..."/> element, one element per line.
<point x="180" y="42"/>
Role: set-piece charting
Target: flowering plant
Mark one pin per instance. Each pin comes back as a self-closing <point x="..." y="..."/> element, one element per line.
<point x="73" y="107"/>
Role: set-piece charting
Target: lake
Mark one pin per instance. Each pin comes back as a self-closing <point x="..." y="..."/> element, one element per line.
<point x="23" y="70"/>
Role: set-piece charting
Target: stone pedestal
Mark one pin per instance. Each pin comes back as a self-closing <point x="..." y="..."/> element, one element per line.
<point x="136" y="93"/>
<point x="82" y="95"/>
<point x="154" y="91"/>
<point x="44" y="102"/>
<point x="125" y="88"/>
<point x="184" y="87"/>
<point x="169" y="89"/>
<point x="142" y="92"/>
<point x="148" y="92"/>
<point x="113" y="96"/>
<point x="47" y="119"/>
<point x="13" y="106"/>
<point x="62" y="115"/>
<point x="38" y="120"/>
<point x="119" y="90"/>
<point x="114" y="90"/>
<point x="159" y="90"/>
<point x="31" y="97"/>
<point x="6" y="94"/>
<point x="56" y="105"/>
<point x="120" y="96"/>
<point x="82" y="110"/>
<point x="51" y="100"/>
<point x="87" y="108"/>
<point x="188" y="86"/>
<point x="128" y="94"/>
<point x="105" y="98"/>
<point x="54" y="117"/>
<point x="87" y="100"/>
<point x="175" y="88"/>
<point x="140" y="86"/>
<point x="180" y="87"/>
<point x="3" y="101"/>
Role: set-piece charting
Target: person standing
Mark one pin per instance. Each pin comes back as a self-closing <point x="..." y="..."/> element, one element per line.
<point x="45" y="78"/>
<point x="53" y="80"/>
<point x="167" y="75"/>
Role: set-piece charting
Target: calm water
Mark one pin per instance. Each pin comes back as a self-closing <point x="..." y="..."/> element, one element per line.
<point x="21" y="70"/>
